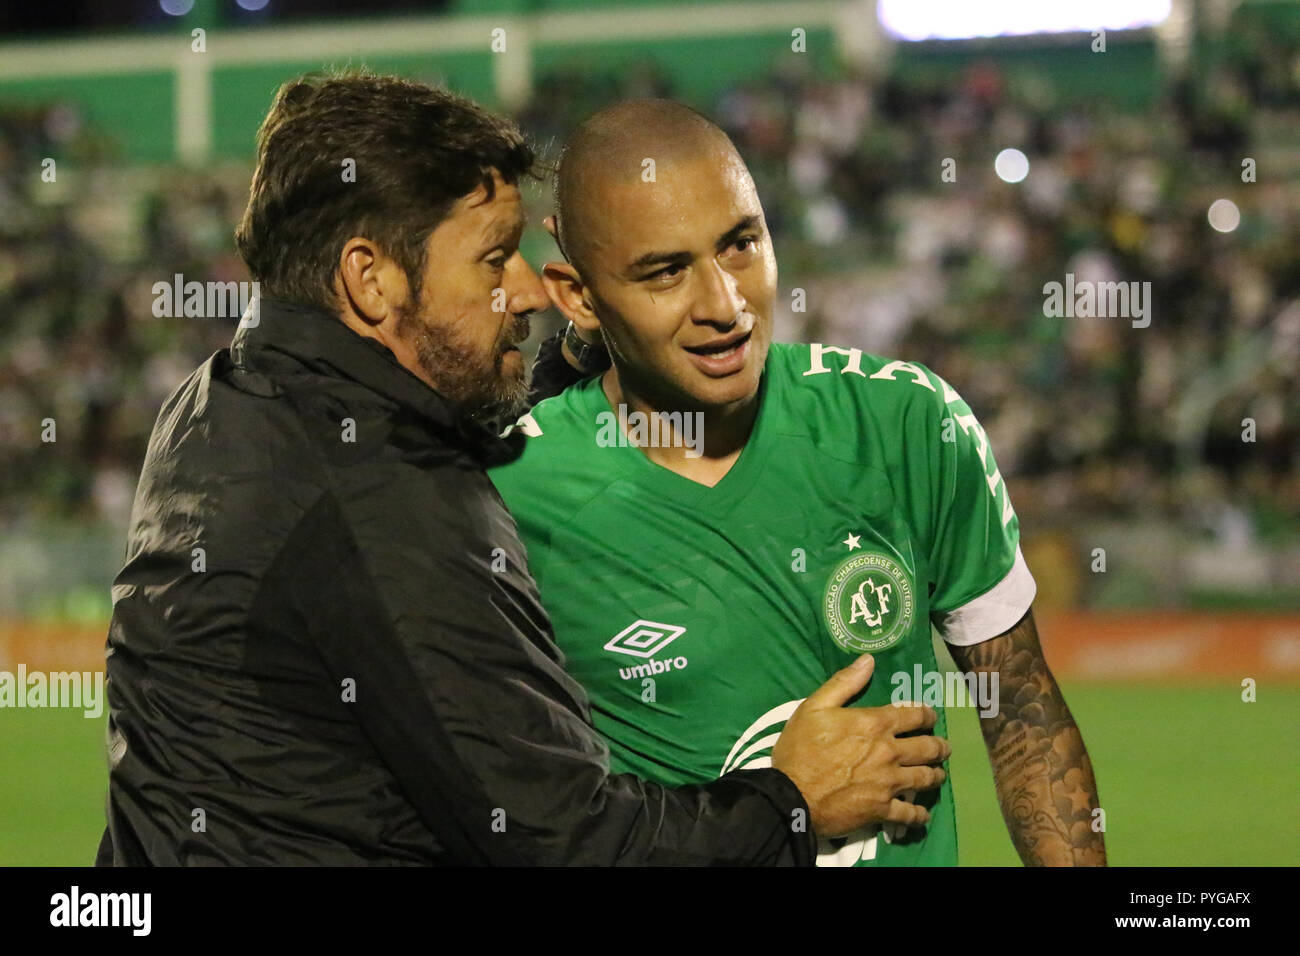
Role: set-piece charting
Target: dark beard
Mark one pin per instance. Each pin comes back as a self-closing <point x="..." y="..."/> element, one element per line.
<point x="481" y="392"/>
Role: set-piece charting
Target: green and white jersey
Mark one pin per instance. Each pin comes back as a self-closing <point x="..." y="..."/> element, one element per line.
<point x="865" y="506"/>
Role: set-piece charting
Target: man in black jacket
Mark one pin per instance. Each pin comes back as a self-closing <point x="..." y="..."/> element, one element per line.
<point x="321" y="650"/>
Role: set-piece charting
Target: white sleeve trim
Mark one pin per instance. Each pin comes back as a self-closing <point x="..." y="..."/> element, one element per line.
<point x="995" y="611"/>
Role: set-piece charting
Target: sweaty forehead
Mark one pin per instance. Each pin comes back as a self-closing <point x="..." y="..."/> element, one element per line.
<point x="707" y="193"/>
<point x="691" y="199"/>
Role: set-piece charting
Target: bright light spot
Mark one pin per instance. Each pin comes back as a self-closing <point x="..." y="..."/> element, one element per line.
<point x="176" y="8"/>
<point x="1224" y="215"/>
<point x="1011" y="165"/>
<point x="960" y="19"/>
<point x="252" y="4"/>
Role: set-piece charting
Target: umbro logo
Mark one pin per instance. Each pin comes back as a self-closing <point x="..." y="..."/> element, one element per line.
<point x="644" y="638"/>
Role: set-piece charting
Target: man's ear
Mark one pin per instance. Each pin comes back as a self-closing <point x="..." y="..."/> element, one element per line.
<point x="565" y="287"/>
<point x="370" y="282"/>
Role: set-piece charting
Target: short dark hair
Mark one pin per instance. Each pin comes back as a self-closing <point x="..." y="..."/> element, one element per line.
<point x="416" y="151"/>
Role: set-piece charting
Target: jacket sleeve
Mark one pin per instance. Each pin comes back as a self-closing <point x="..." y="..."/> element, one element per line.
<point x="552" y="374"/>
<point x="417" y="592"/>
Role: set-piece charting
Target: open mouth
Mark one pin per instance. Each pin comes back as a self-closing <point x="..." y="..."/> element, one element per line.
<point x="720" y="350"/>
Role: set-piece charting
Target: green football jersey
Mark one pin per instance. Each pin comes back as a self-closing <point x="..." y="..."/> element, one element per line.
<point x="865" y="506"/>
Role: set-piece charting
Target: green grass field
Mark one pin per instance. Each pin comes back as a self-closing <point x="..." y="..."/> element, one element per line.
<point x="1189" y="776"/>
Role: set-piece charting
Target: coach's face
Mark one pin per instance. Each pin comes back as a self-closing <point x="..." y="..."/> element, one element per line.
<point x="476" y="295"/>
<point x="462" y="335"/>
<point x="682" y="279"/>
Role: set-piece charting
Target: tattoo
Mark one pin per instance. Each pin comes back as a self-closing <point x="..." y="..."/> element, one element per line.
<point x="1044" y="777"/>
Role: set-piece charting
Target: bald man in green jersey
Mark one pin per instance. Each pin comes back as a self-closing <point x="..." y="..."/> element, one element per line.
<point x="719" y="522"/>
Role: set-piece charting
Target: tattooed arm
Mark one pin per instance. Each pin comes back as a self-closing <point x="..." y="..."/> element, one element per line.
<point x="1043" y="775"/>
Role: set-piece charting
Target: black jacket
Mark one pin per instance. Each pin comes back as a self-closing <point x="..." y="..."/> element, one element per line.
<point x="326" y="646"/>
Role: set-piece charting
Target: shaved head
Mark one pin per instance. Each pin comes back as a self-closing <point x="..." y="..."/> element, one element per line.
<point x="610" y="148"/>
<point x="669" y="257"/>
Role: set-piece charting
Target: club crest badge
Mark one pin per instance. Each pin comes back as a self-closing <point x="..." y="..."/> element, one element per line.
<point x="868" y="602"/>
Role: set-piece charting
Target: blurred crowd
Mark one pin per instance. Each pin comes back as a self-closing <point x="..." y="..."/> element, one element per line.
<point x="1087" y="416"/>
<point x="84" y="364"/>
<point x="888" y="214"/>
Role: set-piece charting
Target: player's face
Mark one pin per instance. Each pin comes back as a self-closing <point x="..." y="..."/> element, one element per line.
<point x="467" y="348"/>
<point x="684" y="281"/>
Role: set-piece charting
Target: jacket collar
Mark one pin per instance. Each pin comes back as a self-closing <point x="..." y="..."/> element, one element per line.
<point x="321" y="343"/>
